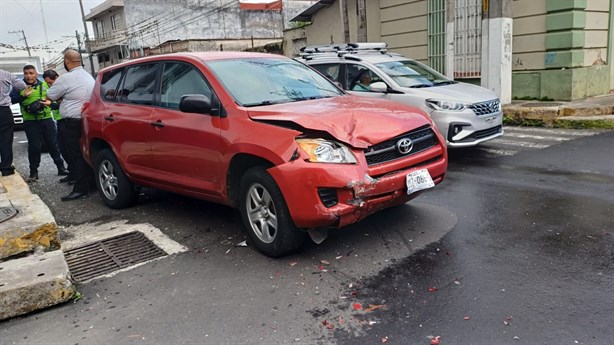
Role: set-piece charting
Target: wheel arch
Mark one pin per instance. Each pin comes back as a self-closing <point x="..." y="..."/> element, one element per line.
<point x="239" y="164"/>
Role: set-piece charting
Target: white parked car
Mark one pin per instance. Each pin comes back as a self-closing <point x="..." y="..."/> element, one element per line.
<point x="464" y="114"/>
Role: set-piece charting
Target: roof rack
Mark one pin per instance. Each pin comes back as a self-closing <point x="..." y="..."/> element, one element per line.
<point x="345" y="48"/>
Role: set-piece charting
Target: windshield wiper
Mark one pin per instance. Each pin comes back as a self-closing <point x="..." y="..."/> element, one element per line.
<point x="419" y="86"/>
<point x="447" y="82"/>
<point x="265" y="102"/>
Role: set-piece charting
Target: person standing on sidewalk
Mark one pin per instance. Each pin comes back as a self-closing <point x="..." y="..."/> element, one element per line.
<point x="74" y="89"/>
<point x="38" y="123"/>
<point x="49" y="76"/>
<point x="7" y="81"/>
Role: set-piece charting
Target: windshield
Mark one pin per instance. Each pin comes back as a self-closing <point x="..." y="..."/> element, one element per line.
<point x="264" y="81"/>
<point x="413" y="74"/>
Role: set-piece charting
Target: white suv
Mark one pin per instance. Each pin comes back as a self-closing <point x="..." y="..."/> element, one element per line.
<point x="464" y="114"/>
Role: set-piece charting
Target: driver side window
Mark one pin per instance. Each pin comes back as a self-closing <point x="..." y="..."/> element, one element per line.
<point x="359" y="78"/>
<point x="180" y="79"/>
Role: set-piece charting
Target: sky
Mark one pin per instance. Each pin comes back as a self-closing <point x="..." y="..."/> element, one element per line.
<point x="62" y="18"/>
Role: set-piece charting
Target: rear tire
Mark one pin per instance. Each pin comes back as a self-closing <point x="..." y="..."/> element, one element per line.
<point x="265" y="215"/>
<point x="114" y="187"/>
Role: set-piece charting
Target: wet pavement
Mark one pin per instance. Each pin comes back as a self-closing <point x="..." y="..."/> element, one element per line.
<point x="515" y="247"/>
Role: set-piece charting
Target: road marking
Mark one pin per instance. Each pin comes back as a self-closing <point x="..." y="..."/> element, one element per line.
<point x="538" y="137"/>
<point x="520" y="143"/>
<point x="500" y="152"/>
<point x="570" y="132"/>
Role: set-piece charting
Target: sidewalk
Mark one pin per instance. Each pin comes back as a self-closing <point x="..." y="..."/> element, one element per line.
<point x="595" y="112"/>
<point x="33" y="271"/>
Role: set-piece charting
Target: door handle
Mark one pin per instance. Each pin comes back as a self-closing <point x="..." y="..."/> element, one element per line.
<point x="157" y="123"/>
<point x="109" y="118"/>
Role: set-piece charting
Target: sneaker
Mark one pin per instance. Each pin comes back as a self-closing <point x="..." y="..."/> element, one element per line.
<point x="62" y="171"/>
<point x="33" y="177"/>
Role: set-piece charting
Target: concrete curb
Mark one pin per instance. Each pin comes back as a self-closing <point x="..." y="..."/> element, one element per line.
<point x="599" y="110"/>
<point x="33" y="270"/>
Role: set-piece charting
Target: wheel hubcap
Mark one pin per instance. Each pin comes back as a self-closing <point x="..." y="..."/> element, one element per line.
<point x="108" y="180"/>
<point x="261" y="213"/>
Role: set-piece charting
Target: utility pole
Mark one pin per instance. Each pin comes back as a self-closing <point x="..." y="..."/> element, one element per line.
<point x="24" y="39"/>
<point x="78" y="45"/>
<point x="87" y="39"/>
<point x="362" y="20"/>
<point x="344" y="19"/>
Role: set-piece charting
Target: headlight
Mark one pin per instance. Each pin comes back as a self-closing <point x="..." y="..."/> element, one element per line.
<point x="326" y="151"/>
<point x="446" y="105"/>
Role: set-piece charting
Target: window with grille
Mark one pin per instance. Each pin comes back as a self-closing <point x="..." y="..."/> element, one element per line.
<point x="436" y="31"/>
<point x="467" y="39"/>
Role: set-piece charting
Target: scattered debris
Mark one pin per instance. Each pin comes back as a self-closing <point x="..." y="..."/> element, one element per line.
<point x="357" y="306"/>
<point x="467" y="317"/>
<point x="241" y="244"/>
<point x="324" y="262"/>
<point x="373" y="307"/>
<point x="225" y="243"/>
<point x="433" y="289"/>
<point x="292" y="263"/>
<point x="327" y="324"/>
<point x="435" y="340"/>
<point x="371" y="323"/>
<point x="456" y="281"/>
<point x="507" y="321"/>
<point x="384" y="339"/>
<point x="228" y="251"/>
<point x="338" y="257"/>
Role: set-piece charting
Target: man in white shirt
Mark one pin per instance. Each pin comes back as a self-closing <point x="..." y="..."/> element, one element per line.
<point x="7" y="81"/>
<point x="74" y="89"/>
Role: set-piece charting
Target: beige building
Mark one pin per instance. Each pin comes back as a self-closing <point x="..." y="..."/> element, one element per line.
<point x="544" y="49"/>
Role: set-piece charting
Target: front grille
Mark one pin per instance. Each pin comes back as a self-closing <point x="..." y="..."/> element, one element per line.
<point x="422" y="138"/>
<point x="485" y="108"/>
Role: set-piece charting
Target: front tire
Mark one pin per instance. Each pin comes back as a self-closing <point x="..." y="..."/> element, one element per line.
<point x="116" y="190"/>
<point x="265" y="215"/>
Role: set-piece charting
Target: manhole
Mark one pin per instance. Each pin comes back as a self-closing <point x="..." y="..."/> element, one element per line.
<point x="542" y="104"/>
<point x="103" y="257"/>
<point x="7" y="213"/>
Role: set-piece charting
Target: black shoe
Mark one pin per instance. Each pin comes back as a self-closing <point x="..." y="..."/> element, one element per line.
<point x="8" y="172"/>
<point x="62" y="171"/>
<point x="68" y="179"/>
<point x="33" y="177"/>
<point x="75" y="196"/>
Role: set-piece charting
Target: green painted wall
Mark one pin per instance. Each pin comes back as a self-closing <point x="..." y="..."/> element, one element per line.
<point x="565" y="40"/>
<point x="561" y="84"/>
<point x="561" y="5"/>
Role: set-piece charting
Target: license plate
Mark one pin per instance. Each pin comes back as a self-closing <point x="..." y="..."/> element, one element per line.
<point x="418" y="180"/>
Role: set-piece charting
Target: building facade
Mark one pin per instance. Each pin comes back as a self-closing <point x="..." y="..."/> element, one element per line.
<point x="525" y="49"/>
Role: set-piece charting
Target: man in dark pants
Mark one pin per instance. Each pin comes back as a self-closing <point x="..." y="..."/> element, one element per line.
<point x="7" y="80"/>
<point x="49" y="76"/>
<point x="74" y="89"/>
<point x="38" y="123"/>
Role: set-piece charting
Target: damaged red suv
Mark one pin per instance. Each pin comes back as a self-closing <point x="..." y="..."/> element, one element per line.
<point x="262" y="133"/>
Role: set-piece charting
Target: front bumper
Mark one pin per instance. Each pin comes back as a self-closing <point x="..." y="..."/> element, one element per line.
<point x="465" y="128"/>
<point x="360" y="190"/>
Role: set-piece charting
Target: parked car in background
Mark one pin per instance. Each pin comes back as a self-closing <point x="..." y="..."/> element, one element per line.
<point x="262" y="133"/>
<point x="465" y="114"/>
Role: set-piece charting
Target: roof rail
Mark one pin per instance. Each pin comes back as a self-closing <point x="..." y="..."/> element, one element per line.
<point x="343" y="48"/>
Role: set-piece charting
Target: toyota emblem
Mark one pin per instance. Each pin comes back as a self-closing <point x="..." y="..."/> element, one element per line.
<point x="404" y="146"/>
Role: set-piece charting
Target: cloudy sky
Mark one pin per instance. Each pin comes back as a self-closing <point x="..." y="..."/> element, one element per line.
<point x="62" y="18"/>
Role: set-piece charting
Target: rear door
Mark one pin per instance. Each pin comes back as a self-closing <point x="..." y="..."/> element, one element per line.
<point x="130" y="94"/>
<point x="186" y="146"/>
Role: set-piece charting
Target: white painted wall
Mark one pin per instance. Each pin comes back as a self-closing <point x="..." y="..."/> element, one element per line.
<point x="497" y="57"/>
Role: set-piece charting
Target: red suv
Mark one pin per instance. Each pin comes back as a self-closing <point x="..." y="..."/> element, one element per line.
<point x="262" y="133"/>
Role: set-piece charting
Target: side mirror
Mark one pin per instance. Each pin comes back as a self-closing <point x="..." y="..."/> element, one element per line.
<point x="199" y="104"/>
<point x="379" y="86"/>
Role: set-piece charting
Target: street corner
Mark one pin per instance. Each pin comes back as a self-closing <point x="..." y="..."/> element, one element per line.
<point x="34" y="282"/>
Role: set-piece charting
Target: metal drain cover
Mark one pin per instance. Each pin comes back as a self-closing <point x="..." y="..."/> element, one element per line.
<point x="103" y="257"/>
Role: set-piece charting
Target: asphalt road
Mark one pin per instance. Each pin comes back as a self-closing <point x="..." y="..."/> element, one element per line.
<point x="514" y="247"/>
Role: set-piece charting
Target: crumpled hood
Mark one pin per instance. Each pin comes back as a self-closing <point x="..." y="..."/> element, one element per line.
<point x="460" y="92"/>
<point x="357" y="121"/>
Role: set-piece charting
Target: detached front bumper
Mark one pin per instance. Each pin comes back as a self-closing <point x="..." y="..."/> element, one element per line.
<point x="336" y="195"/>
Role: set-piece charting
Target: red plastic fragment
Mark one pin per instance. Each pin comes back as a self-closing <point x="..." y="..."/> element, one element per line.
<point x="327" y="324"/>
<point x="433" y="289"/>
<point x="357" y="306"/>
<point x="435" y="341"/>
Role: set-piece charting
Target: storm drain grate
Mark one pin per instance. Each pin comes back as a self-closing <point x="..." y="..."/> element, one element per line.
<point x="103" y="257"/>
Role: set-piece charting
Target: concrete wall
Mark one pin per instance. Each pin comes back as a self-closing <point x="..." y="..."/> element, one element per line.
<point x="203" y="19"/>
<point x="327" y="27"/>
<point x="561" y="49"/>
